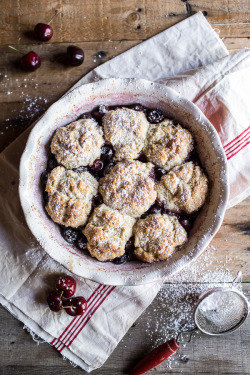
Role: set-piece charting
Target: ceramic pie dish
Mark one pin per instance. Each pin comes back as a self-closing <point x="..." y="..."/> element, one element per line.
<point x="116" y="92"/>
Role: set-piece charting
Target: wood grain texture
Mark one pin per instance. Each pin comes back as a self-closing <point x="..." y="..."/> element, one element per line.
<point x="25" y="96"/>
<point x="115" y="26"/>
<point x="223" y="355"/>
<point x="87" y="20"/>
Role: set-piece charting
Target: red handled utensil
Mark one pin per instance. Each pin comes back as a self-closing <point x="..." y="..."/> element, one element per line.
<point x="154" y="358"/>
<point x="218" y="311"/>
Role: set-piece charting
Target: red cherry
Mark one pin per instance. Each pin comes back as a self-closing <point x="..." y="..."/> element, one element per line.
<point x="43" y="31"/>
<point x="75" y="55"/>
<point x="67" y="285"/>
<point x="54" y="301"/>
<point x="31" y="61"/>
<point x="97" y="166"/>
<point x="75" y="306"/>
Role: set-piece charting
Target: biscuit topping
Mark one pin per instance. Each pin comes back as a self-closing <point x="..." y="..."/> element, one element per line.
<point x="70" y="194"/>
<point x="129" y="187"/>
<point x="78" y="144"/>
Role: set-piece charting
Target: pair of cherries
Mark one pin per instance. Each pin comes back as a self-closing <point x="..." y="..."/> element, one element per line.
<point x="44" y="32"/>
<point x="62" y="297"/>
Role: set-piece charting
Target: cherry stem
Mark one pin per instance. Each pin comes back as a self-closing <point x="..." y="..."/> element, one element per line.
<point x="56" y="13"/>
<point x="61" y="294"/>
<point x="69" y="307"/>
<point x="15" y="49"/>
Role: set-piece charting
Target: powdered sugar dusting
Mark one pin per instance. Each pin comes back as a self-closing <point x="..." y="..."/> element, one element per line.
<point x="174" y="305"/>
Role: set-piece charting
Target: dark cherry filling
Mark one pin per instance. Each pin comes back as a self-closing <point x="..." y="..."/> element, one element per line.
<point x="142" y="158"/>
<point x="103" y="166"/>
<point x="107" y="153"/>
<point x="155" y="116"/>
<point x="97" y="200"/>
<point x="80" y="169"/>
<point x="84" y="116"/>
<point x="52" y="163"/>
<point x="108" y="168"/>
<point x="156" y="208"/>
<point x="152" y="174"/>
<point x="100" y="111"/>
<point x="81" y="242"/>
<point x="44" y="178"/>
<point x="193" y="156"/>
<point x="70" y="234"/>
<point x="138" y="107"/>
<point x="129" y="253"/>
<point x="97" y="166"/>
<point x="159" y="172"/>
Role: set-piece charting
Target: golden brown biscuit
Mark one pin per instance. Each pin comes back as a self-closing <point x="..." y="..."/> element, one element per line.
<point x="129" y="187"/>
<point x="183" y="188"/>
<point x="157" y="236"/>
<point x="107" y="233"/>
<point x="167" y="145"/>
<point x="78" y="144"/>
<point x="126" y="130"/>
<point x="70" y="196"/>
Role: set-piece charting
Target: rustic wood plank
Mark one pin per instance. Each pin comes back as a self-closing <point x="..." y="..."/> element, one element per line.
<point x="103" y="20"/>
<point x="203" y="355"/>
<point x="25" y="96"/>
<point x="235" y="44"/>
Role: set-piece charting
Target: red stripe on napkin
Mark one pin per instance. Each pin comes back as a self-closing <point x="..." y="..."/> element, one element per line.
<point x="81" y="318"/>
<point x="93" y="296"/>
<point x="237" y="144"/>
<point x="239" y="149"/>
<point x="241" y="136"/>
<point x="84" y="321"/>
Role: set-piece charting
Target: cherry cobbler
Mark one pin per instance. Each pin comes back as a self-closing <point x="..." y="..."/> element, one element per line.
<point x="124" y="183"/>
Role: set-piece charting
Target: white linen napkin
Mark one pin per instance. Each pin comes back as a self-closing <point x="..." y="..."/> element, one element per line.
<point x="220" y="85"/>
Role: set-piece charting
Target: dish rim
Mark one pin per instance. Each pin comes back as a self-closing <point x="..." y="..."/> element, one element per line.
<point x="96" y="274"/>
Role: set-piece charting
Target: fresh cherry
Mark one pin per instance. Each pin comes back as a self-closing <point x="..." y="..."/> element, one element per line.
<point x="67" y="285"/>
<point x="97" y="166"/>
<point x="44" y="31"/>
<point x="70" y="234"/>
<point x="155" y="116"/>
<point x="30" y="61"/>
<point x="100" y="111"/>
<point x="107" y="153"/>
<point x="54" y="301"/>
<point x="75" y="55"/>
<point x="75" y="306"/>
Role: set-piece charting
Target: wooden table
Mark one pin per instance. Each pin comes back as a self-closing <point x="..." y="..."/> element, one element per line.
<point x="114" y="26"/>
